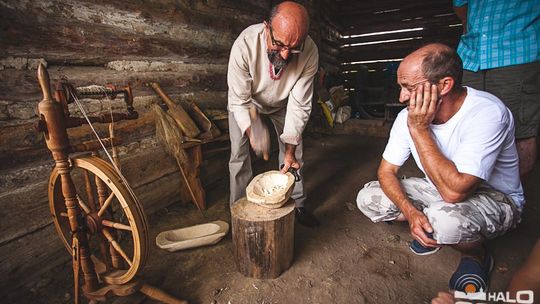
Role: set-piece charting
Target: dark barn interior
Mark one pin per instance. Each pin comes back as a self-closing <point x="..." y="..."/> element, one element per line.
<point x="184" y="46"/>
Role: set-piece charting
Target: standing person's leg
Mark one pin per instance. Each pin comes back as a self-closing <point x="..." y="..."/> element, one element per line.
<point x="475" y="80"/>
<point x="299" y="195"/>
<point x="372" y="201"/>
<point x="518" y="86"/>
<point x="239" y="162"/>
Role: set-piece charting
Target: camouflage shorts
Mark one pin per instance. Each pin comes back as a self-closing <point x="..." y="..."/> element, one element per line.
<point x="488" y="213"/>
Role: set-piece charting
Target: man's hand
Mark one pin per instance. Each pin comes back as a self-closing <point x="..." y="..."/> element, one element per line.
<point x="419" y="225"/>
<point x="443" y="298"/>
<point x="423" y="105"/>
<point x="259" y="138"/>
<point x="289" y="159"/>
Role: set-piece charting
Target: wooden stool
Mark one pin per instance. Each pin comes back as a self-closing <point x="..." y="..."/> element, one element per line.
<point x="263" y="238"/>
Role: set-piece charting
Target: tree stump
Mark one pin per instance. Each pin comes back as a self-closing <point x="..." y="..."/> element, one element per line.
<point x="263" y="239"/>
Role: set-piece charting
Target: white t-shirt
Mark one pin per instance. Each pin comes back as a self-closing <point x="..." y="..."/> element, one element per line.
<point x="478" y="139"/>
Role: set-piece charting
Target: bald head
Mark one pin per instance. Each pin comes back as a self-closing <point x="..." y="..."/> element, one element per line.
<point x="290" y="18"/>
<point x="434" y="62"/>
<point x="426" y="50"/>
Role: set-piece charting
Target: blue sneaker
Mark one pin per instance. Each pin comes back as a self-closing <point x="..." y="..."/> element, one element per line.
<point x="419" y="249"/>
<point x="472" y="276"/>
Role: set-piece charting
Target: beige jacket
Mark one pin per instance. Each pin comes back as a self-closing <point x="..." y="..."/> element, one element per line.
<point x="250" y="82"/>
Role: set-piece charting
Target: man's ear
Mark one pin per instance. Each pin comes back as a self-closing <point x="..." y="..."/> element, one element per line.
<point x="447" y="85"/>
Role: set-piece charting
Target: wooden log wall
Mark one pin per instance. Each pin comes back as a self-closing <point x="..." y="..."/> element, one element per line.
<point x="183" y="45"/>
<point x="329" y="40"/>
<point x="362" y="22"/>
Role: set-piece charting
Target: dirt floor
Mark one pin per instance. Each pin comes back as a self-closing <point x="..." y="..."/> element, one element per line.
<point x="347" y="259"/>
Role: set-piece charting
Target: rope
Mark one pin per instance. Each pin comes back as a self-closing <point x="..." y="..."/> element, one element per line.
<point x="81" y="108"/>
<point x="111" y="124"/>
<point x="94" y="90"/>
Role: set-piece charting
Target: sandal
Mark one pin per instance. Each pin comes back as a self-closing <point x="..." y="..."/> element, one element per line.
<point x="472" y="276"/>
<point x="419" y="249"/>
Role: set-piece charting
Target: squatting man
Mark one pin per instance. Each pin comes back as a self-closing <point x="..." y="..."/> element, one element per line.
<point x="462" y="139"/>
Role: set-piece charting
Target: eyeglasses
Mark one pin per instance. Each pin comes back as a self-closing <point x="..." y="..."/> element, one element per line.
<point x="281" y="45"/>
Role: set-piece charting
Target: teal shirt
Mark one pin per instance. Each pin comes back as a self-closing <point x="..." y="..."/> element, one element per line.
<point x="500" y="33"/>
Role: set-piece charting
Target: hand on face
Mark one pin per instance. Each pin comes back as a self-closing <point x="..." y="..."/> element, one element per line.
<point x="423" y="105"/>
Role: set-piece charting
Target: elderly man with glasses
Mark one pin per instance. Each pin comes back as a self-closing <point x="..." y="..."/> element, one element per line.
<point x="271" y="70"/>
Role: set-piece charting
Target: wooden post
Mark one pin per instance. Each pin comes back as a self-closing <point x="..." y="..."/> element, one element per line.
<point x="263" y="239"/>
<point x="51" y="112"/>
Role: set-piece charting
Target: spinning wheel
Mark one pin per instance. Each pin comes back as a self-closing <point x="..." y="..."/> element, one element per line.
<point x="115" y="223"/>
<point x="94" y="210"/>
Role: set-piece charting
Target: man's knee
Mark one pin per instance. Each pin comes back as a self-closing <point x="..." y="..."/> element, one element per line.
<point x="373" y="203"/>
<point x="451" y="226"/>
<point x="367" y="195"/>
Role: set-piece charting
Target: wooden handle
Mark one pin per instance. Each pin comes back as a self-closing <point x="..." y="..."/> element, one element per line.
<point x="253" y="113"/>
<point x="186" y="124"/>
<point x="44" y="81"/>
<point x="164" y="97"/>
<point x="259" y="136"/>
<point x="160" y="295"/>
<point x="191" y="176"/>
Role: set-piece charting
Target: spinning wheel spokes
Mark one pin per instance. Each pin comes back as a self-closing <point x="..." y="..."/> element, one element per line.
<point x="89" y="192"/>
<point x="105" y="205"/>
<point x="83" y="206"/>
<point x="116" y="246"/>
<point x="115" y="225"/>
<point x="116" y="228"/>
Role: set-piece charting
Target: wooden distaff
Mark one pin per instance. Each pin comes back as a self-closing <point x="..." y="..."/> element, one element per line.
<point x="189" y="128"/>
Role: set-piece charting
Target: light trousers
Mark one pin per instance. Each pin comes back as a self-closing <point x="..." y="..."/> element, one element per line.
<point x="486" y="213"/>
<point x="240" y="160"/>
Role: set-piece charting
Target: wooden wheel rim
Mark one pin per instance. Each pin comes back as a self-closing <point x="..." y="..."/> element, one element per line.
<point x="130" y="207"/>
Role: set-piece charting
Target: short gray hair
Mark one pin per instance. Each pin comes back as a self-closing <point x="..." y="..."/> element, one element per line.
<point x="442" y="62"/>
